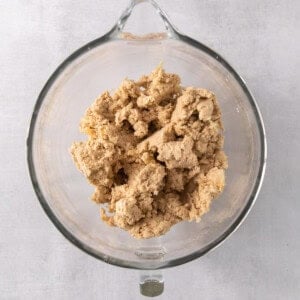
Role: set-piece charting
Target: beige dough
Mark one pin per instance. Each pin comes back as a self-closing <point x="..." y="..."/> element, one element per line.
<point x="154" y="153"/>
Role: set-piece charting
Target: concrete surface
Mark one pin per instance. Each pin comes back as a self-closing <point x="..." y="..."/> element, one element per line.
<point x="261" y="260"/>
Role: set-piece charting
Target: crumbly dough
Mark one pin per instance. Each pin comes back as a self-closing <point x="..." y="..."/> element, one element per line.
<point x="154" y="153"/>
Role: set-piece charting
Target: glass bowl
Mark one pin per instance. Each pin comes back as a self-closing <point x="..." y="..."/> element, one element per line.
<point x="102" y="64"/>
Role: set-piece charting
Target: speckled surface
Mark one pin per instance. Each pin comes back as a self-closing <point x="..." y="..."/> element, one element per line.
<point x="261" y="260"/>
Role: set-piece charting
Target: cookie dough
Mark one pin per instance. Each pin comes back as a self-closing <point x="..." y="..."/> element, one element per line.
<point x="154" y="153"/>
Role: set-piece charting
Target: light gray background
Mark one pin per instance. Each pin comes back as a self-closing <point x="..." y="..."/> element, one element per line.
<point x="261" y="260"/>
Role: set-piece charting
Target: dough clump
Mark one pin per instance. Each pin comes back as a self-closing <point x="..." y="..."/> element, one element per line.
<point x="154" y="153"/>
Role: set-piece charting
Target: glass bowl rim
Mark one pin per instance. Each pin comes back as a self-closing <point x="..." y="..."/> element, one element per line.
<point x="113" y="260"/>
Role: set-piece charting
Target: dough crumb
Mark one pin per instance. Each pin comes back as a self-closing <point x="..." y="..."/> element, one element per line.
<point x="154" y="153"/>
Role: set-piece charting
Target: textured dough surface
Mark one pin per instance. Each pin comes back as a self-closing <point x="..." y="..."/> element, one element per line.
<point x="154" y="153"/>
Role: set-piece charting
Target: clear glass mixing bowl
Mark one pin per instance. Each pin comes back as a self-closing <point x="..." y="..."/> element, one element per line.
<point x="101" y="65"/>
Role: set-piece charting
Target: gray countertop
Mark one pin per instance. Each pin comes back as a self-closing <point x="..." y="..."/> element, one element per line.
<point x="261" y="260"/>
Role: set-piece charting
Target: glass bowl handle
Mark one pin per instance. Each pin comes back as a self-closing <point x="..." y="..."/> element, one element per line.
<point x="151" y="283"/>
<point x="148" y="29"/>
